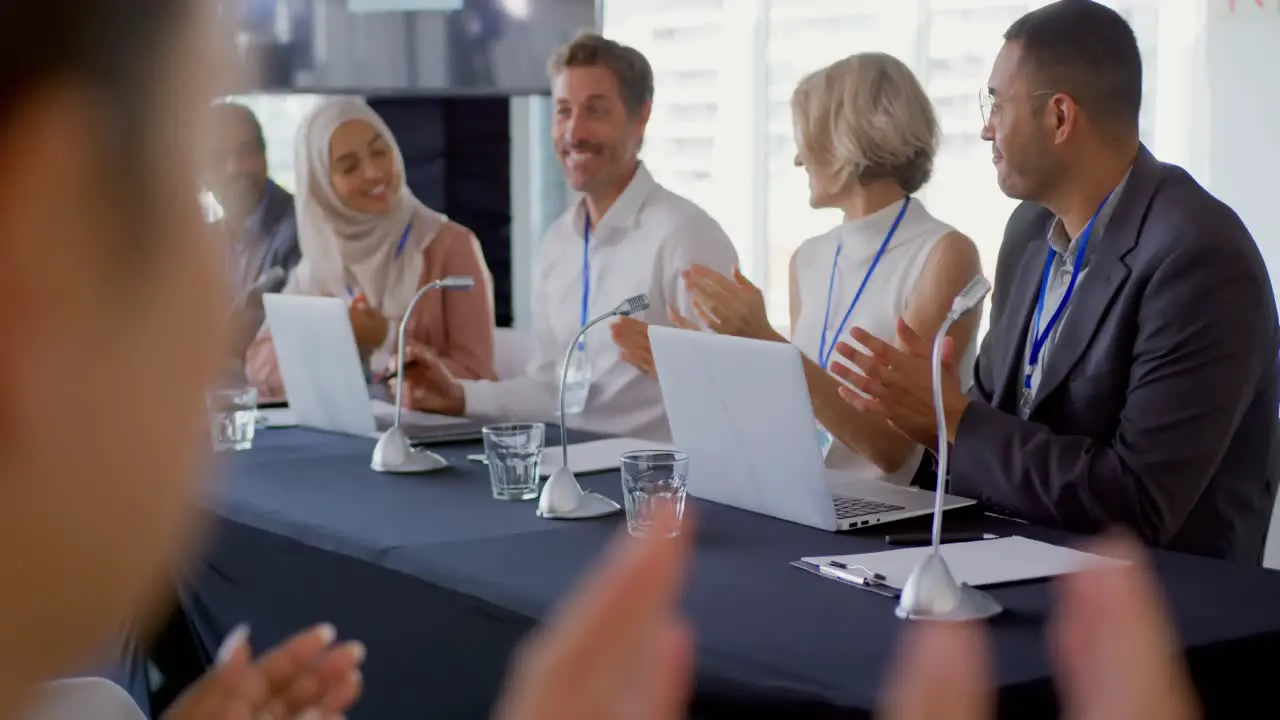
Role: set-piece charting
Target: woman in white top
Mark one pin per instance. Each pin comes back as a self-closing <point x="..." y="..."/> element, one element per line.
<point x="866" y="134"/>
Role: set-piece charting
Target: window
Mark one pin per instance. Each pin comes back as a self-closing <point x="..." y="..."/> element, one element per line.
<point x="742" y="151"/>
<point x="280" y="115"/>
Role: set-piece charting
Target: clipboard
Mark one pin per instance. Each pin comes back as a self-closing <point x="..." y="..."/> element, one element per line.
<point x="877" y="587"/>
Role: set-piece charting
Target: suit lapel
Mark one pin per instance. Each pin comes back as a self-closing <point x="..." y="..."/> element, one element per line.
<point x="1106" y="275"/>
<point x="1023" y="294"/>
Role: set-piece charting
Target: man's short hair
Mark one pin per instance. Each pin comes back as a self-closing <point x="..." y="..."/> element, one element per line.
<point x="1088" y="51"/>
<point x="629" y="67"/>
<point x="244" y="113"/>
<point x="866" y="118"/>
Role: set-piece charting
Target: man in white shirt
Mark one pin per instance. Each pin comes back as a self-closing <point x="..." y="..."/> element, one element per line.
<point x="628" y="235"/>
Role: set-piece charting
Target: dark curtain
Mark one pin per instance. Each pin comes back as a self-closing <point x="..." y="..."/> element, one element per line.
<point x="457" y="154"/>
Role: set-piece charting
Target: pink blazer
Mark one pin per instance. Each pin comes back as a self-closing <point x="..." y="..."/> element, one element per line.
<point x="458" y="326"/>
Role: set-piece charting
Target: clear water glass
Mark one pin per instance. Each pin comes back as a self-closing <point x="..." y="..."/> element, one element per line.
<point x="233" y="417"/>
<point x="652" y="482"/>
<point x="513" y="453"/>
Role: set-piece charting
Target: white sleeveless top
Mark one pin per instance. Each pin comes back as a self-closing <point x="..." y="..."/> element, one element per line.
<point x="882" y="302"/>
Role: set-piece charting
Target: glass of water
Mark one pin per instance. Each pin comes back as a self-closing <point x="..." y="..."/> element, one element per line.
<point x="513" y="453"/>
<point x="653" y="481"/>
<point x="233" y="417"/>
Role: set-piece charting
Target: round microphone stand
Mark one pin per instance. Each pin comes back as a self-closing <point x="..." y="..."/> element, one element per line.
<point x="562" y="497"/>
<point x="932" y="592"/>
<point x="394" y="453"/>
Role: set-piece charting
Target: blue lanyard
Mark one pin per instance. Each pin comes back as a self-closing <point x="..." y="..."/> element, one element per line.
<point x="824" y="352"/>
<point x="404" y="239"/>
<point x="586" y="274"/>
<point x="1041" y="335"/>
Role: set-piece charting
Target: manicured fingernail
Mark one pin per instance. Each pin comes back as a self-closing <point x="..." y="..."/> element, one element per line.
<point x="311" y="714"/>
<point x="234" y="640"/>
<point x="358" y="651"/>
<point x="327" y="633"/>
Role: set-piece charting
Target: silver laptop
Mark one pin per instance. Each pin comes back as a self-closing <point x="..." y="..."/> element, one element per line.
<point x="741" y="410"/>
<point x="324" y="379"/>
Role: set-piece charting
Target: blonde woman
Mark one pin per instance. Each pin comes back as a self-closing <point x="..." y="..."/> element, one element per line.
<point x="866" y="135"/>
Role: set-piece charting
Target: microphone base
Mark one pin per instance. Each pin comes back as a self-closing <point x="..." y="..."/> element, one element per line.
<point x="562" y="498"/>
<point x="394" y="454"/>
<point x="591" y="505"/>
<point x="973" y="605"/>
<point x="932" y="593"/>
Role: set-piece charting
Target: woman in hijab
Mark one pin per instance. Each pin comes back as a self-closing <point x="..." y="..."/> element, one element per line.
<point x="366" y="238"/>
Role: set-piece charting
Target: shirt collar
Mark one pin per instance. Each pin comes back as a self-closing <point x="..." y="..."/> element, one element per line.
<point x="625" y="211"/>
<point x="1066" y="245"/>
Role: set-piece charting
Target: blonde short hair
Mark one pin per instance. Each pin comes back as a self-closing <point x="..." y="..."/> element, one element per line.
<point x="866" y="118"/>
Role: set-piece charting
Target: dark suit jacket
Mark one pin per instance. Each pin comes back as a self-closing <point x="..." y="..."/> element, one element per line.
<point x="1157" y="405"/>
<point x="279" y="229"/>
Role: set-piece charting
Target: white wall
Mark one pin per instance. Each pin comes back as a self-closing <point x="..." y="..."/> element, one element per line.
<point x="1242" y="104"/>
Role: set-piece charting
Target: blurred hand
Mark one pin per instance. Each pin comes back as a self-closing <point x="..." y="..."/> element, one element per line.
<point x="370" y="326"/>
<point x="680" y="321"/>
<point x="1113" y="649"/>
<point x="617" y="648"/>
<point x="428" y="384"/>
<point x="632" y="337"/>
<point x="305" y="677"/>
<point x="729" y="306"/>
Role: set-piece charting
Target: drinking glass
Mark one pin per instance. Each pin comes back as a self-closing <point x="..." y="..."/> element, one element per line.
<point x="513" y="453"/>
<point x="653" y="480"/>
<point x="233" y="417"/>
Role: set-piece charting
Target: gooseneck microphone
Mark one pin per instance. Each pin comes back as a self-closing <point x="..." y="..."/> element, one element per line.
<point x="393" y="453"/>
<point x="931" y="592"/>
<point x="272" y="280"/>
<point x="562" y="497"/>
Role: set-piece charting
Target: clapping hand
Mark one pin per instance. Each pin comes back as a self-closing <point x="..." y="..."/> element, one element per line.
<point x="1113" y="651"/>
<point x="729" y="306"/>
<point x="632" y="338"/>
<point x="618" y="647"/>
<point x="895" y="382"/>
<point x="306" y="677"/>
<point x="370" y="327"/>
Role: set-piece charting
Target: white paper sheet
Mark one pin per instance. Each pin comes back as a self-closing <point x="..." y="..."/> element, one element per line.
<point x="979" y="563"/>
<point x="595" y="455"/>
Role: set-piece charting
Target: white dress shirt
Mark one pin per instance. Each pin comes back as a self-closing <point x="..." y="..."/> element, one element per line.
<point x="643" y="242"/>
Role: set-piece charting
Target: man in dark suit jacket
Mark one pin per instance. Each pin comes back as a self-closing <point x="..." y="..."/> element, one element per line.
<point x="258" y="215"/>
<point x="1129" y="373"/>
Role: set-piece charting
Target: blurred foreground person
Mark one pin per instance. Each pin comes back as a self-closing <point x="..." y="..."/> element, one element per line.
<point x="103" y="257"/>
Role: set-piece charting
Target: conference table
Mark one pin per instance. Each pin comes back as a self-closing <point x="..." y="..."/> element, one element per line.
<point x="441" y="582"/>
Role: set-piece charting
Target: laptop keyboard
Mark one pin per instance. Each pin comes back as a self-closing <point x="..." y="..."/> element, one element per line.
<point x="848" y="508"/>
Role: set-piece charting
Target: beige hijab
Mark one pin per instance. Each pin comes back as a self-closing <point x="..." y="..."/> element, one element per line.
<point x="345" y="251"/>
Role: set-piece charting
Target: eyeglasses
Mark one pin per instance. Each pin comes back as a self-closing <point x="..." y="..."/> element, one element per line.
<point x="988" y="104"/>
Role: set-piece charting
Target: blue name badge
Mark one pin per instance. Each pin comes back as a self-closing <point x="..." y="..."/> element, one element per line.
<point x="824" y="441"/>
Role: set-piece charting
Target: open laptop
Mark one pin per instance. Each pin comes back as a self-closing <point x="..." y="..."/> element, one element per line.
<point x="324" y="379"/>
<point x="741" y="410"/>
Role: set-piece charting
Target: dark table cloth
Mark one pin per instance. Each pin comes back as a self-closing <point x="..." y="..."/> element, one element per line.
<point x="441" y="581"/>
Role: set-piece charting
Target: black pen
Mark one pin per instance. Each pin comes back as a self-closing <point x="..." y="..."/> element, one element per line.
<point x="393" y="374"/>
<point x="927" y="538"/>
